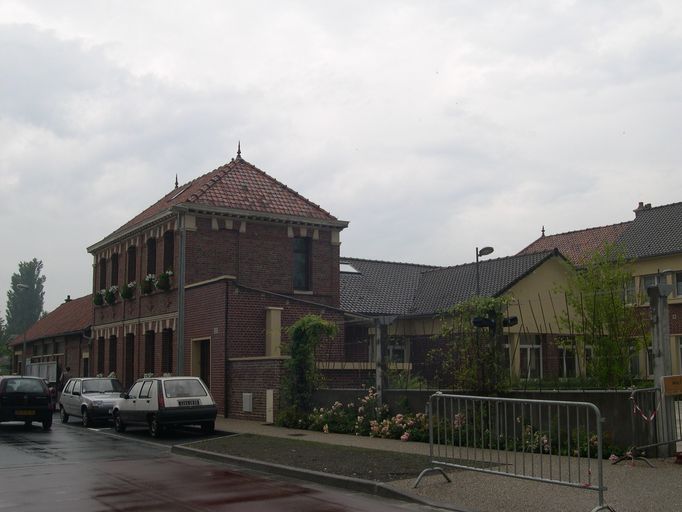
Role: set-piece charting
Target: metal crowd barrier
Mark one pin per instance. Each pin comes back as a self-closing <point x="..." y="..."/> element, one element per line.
<point x="655" y="422"/>
<point x="542" y="440"/>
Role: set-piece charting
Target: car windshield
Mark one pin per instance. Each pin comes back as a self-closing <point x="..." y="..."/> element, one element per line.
<point x="102" y="386"/>
<point x="183" y="388"/>
<point x="24" y="386"/>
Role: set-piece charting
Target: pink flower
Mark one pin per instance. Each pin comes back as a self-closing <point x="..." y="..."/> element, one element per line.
<point x="405" y="436"/>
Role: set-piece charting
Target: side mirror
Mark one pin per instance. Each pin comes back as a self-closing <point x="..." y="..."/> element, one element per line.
<point x="125" y="395"/>
<point x="77" y="393"/>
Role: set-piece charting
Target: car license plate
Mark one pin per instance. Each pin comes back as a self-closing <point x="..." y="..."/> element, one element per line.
<point x="25" y="412"/>
<point x="182" y="403"/>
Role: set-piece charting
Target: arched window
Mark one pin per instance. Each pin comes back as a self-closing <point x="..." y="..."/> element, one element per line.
<point x="168" y="250"/>
<point x="114" y="269"/>
<point x="151" y="256"/>
<point x="102" y="273"/>
<point x="132" y="263"/>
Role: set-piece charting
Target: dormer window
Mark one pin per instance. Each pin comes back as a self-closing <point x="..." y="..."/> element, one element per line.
<point x="302" y="264"/>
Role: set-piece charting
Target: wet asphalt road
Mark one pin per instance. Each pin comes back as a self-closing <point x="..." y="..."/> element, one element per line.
<point x="74" y="469"/>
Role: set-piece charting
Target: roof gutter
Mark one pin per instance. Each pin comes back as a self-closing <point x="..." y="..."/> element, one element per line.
<point x="248" y="214"/>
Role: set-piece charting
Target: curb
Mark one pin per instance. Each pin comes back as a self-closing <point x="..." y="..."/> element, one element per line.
<point x="339" y="481"/>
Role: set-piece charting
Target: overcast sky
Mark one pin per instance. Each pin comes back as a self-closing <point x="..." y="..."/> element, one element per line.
<point x="433" y="127"/>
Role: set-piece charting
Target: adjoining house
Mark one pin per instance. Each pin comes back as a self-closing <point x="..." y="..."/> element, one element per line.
<point x="408" y="299"/>
<point x="59" y="339"/>
<point x="652" y="241"/>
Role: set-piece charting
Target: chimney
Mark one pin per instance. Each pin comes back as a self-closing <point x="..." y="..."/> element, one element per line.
<point x="641" y="207"/>
<point x="68" y="298"/>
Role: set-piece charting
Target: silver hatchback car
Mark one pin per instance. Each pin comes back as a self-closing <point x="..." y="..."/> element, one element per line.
<point x="90" y="398"/>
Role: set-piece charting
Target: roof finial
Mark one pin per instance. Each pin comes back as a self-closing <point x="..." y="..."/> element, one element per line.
<point x="543" y="231"/>
<point x="239" y="149"/>
<point x="176" y="181"/>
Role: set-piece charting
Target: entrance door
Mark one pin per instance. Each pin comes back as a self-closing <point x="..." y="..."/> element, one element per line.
<point x="201" y="360"/>
<point x="205" y="369"/>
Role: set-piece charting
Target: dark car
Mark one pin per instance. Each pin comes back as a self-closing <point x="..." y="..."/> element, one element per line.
<point x="25" y="399"/>
<point x="90" y="398"/>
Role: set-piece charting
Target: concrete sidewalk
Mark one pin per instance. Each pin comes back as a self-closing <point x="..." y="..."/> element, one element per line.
<point x="632" y="487"/>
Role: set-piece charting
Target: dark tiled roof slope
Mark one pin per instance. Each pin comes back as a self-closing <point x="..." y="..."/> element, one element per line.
<point x="577" y="246"/>
<point x="441" y="289"/>
<point x="380" y="287"/>
<point x="69" y="317"/>
<point x="654" y="232"/>
<point x="236" y="185"/>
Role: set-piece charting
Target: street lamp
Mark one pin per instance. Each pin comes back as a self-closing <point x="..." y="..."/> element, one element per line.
<point x="483" y="251"/>
<point x="22" y="286"/>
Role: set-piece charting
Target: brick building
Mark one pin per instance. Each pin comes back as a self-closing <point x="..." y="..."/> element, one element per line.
<point x="218" y="268"/>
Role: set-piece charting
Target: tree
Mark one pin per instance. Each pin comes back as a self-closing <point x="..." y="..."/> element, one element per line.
<point x="602" y="315"/>
<point x="470" y="358"/>
<point x="25" y="297"/>
<point x="302" y="376"/>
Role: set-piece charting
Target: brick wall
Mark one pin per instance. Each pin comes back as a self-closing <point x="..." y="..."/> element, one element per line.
<point x="254" y="377"/>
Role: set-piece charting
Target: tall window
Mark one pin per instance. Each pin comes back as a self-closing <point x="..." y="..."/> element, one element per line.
<point x="132" y="263"/>
<point x="644" y="283"/>
<point x="100" y="355"/>
<point x="531" y="356"/>
<point x="151" y="256"/>
<point x="112" y="353"/>
<point x="168" y="247"/>
<point x="149" y="352"/>
<point x="102" y="273"/>
<point x="302" y="264"/>
<point x="167" y="351"/>
<point x="114" y="269"/>
<point x="678" y="288"/>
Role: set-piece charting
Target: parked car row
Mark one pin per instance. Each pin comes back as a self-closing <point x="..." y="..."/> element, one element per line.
<point x="156" y="402"/>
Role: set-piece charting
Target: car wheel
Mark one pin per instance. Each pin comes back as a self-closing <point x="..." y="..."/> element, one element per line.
<point x="62" y="414"/>
<point x="208" y="427"/>
<point x="119" y="426"/>
<point x="155" y="428"/>
<point x="47" y="424"/>
<point x="85" y="418"/>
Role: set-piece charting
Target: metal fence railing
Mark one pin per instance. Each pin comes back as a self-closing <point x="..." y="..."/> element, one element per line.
<point x="542" y="440"/>
<point x="655" y="422"/>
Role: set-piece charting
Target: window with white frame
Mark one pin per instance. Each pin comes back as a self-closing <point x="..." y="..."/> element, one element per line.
<point x="531" y="356"/>
<point x="567" y="362"/>
<point x="396" y="351"/>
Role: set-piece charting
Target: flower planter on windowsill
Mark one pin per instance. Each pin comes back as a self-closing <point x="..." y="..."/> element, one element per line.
<point x="98" y="299"/>
<point x="110" y="295"/>
<point x="163" y="283"/>
<point x="127" y="291"/>
<point x="146" y="287"/>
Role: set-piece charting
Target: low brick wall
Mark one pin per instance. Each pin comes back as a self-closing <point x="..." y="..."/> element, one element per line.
<point x="615" y="406"/>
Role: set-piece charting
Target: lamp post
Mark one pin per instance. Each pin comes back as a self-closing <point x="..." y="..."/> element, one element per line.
<point x="22" y="286"/>
<point x="483" y="251"/>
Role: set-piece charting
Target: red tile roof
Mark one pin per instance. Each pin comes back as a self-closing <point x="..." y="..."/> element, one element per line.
<point x="70" y="317"/>
<point x="577" y="246"/>
<point x="237" y="185"/>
